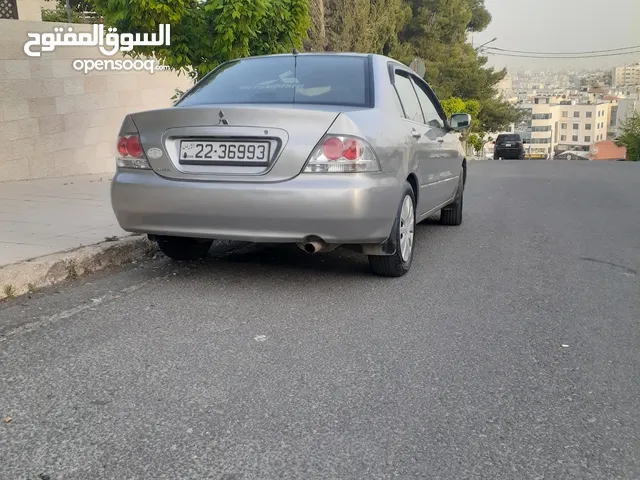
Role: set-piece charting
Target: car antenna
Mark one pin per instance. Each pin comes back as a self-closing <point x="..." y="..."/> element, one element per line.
<point x="295" y="50"/>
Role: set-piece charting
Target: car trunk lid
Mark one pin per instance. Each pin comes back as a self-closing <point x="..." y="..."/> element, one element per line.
<point x="269" y="142"/>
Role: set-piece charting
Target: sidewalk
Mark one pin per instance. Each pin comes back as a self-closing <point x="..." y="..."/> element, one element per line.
<point x="40" y="217"/>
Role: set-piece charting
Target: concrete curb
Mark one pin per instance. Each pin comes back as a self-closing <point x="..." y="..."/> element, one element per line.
<point x="30" y="275"/>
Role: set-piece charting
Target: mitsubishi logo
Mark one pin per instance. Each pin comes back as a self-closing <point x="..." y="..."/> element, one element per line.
<point x="223" y="121"/>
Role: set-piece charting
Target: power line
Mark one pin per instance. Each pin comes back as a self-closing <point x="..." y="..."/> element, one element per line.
<point x="568" y="56"/>
<point x="564" y="53"/>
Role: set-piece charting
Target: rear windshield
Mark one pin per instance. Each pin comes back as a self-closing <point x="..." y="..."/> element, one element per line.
<point x="508" y="138"/>
<point x="317" y="79"/>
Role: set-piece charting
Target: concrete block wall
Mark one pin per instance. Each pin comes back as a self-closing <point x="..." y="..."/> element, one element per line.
<point x="29" y="10"/>
<point x="56" y="121"/>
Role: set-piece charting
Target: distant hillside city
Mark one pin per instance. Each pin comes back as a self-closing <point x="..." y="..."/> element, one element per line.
<point x="573" y="114"/>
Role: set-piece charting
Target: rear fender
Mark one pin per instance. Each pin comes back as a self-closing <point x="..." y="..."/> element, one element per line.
<point x="343" y="125"/>
<point x="128" y="127"/>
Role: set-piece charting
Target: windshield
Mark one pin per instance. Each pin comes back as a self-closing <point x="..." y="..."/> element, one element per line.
<point x="313" y="79"/>
<point x="508" y="138"/>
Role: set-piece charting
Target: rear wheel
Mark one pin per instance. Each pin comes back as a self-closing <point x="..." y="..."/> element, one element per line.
<point x="184" y="249"/>
<point x="451" y="215"/>
<point x="399" y="263"/>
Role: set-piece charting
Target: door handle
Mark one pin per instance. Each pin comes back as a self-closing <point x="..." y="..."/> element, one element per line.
<point x="415" y="134"/>
<point x="440" y="140"/>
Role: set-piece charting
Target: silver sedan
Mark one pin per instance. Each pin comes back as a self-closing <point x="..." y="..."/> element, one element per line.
<point x="320" y="150"/>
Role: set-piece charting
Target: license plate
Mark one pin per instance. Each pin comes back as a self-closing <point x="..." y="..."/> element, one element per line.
<point x="198" y="151"/>
<point x="507" y="144"/>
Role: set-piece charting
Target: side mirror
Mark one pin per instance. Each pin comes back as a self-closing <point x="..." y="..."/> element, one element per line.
<point x="460" y="121"/>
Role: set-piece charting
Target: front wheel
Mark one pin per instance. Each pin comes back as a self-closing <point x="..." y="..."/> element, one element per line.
<point x="184" y="249"/>
<point x="399" y="263"/>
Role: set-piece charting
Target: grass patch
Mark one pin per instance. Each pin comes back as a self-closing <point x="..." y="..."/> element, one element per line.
<point x="9" y="291"/>
<point x="72" y="270"/>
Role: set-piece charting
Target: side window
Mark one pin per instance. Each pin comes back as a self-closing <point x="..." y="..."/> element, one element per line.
<point x="398" y="105"/>
<point x="408" y="98"/>
<point x="431" y="115"/>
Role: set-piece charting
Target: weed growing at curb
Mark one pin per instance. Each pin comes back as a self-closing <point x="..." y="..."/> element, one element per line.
<point x="150" y="249"/>
<point x="72" y="271"/>
<point x="111" y="239"/>
<point x="58" y="267"/>
<point x="9" y="291"/>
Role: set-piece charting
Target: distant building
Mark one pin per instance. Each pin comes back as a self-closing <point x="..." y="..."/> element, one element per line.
<point x="554" y="125"/>
<point x="582" y="124"/>
<point x="626" y="75"/>
<point x="539" y="129"/>
<point x="505" y="86"/>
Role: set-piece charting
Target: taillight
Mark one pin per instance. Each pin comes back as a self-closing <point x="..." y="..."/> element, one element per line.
<point x="332" y="148"/>
<point x="352" y="149"/>
<point x="342" y="154"/>
<point x="130" y="154"/>
<point x="122" y="146"/>
<point x="133" y="147"/>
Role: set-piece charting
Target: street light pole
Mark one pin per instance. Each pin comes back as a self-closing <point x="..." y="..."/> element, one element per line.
<point x="485" y="44"/>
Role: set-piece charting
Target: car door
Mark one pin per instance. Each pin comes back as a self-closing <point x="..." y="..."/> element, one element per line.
<point x="445" y="162"/>
<point x="421" y="142"/>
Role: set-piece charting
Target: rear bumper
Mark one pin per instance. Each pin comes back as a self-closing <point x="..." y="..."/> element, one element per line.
<point x="508" y="152"/>
<point x="339" y="208"/>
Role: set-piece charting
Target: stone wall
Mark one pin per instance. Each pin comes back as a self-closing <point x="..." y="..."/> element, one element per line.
<point x="29" y="10"/>
<point x="56" y="121"/>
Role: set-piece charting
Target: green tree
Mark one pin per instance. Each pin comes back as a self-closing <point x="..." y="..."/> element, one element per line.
<point x="457" y="105"/>
<point x="317" y="38"/>
<point x="437" y="33"/>
<point x="476" y="142"/>
<point x="630" y="137"/>
<point x="367" y="26"/>
<point x="206" y="33"/>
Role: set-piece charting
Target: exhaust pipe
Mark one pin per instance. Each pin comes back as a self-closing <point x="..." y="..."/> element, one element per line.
<point x="313" y="245"/>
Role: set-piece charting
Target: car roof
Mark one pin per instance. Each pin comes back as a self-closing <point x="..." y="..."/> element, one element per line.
<point x="310" y="54"/>
<point x="332" y="54"/>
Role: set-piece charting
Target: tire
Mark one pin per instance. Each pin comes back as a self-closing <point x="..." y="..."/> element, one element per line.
<point x="184" y="249"/>
<point x="451" y="215"/>
<point x="521" y="156"/>
<point x="397" y="265"/>
<point x="495" y="157"/>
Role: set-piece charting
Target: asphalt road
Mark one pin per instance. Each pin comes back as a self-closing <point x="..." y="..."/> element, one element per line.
<point x="510" y="351"/>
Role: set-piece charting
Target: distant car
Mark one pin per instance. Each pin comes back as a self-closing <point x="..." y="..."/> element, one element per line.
<point x="508" y="146"/>
<point x="321" y="150"/>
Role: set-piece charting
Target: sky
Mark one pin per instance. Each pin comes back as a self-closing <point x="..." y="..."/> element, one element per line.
<point x="562" y="26"/>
